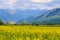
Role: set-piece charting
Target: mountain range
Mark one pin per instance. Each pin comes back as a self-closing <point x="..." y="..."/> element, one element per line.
<point x="49" y="17"/>
<point x="6" y="15"/>
<point x="31" y="16"/>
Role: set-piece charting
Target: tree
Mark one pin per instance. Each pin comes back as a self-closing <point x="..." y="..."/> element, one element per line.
<point x="1" y="23"/>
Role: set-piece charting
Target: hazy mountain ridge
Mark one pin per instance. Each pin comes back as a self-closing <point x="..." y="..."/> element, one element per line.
<point x="49" y="20"/>
<point x="33" y="16"/>
<point x="8" y="15"/>
<point x="53" y="14"/>
<point x="53" y="17"/>
<point x="5" y="15"/>
<point x="30" y="16"/>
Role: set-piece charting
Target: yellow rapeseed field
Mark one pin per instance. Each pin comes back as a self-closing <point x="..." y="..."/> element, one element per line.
<point x="29" y="32"/>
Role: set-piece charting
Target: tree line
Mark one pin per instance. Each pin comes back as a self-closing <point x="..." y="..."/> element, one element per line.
<point x="2" y="23"/>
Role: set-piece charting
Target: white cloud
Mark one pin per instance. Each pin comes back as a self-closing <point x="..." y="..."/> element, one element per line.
<point x="41" y="1"/>
<point x="28" y="4"/>
<point x="7" y="3"/>
<point x="11" y="2"/>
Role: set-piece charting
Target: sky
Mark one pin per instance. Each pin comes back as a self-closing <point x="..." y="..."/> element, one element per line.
<point x="29" y="4"/>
